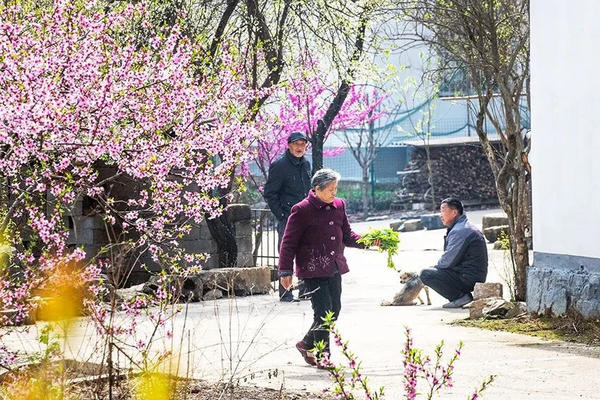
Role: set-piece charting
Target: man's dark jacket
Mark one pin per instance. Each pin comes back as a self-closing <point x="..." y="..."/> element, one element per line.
<point x="465" y="251"/>
<point x="288" y="183"/>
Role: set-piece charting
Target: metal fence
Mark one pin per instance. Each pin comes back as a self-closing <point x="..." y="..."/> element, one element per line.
<point x="264" y="238"/>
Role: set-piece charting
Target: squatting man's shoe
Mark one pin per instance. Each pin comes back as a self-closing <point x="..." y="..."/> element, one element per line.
<point x="461" y="301"/>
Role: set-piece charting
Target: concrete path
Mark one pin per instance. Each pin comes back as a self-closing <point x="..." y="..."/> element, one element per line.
<point x="526" y="367"/>
<point x="254" y="337"/>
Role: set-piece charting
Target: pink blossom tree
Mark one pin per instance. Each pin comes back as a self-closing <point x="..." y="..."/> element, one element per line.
<point x="299" y="105"/>
<point x="79" y="94"/>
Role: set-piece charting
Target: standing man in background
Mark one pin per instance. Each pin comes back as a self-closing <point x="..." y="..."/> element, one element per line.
<point x="288" y="183"/>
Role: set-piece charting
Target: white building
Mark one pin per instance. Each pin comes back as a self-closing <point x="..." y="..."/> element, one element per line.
<point x="565" y="158"/>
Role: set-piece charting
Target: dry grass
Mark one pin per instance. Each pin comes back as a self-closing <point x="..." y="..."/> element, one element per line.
<point x="569" y="328"/>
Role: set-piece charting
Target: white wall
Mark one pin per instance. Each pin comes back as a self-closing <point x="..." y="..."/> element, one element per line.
<point x="565" y="83"/>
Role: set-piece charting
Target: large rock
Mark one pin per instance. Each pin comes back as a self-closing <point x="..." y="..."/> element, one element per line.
<point x="238" y="212"/>
<point x="476" y="307"/>
<point x="493" y="233"/>
<point x="487" y="290"/>
<point x="497" y="308"/>
<point x="238" y="281"/>
<point x="432" y="221"/>
<point x="499" y="245"/>
<point x="396" y="225"/>
<point x="519" y="309"/>
<point x="233" y="281"/>
<point x="494" y="220"/>
<point x="213" y="294"/>
<point x="412" y="225"/>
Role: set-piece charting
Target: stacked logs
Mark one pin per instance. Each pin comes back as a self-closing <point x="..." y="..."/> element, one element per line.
<point x="459" y="170"/>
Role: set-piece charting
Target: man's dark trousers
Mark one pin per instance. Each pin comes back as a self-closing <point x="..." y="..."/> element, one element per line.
<point x="284" y="295"/>
<point x="326" y="296"/>
<point x="447" y="282"/>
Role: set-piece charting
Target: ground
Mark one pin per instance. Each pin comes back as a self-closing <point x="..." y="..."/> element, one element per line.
<point x="254" y="336"/>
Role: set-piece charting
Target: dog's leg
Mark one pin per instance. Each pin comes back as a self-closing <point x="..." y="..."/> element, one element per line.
<point x="427" y="294"/>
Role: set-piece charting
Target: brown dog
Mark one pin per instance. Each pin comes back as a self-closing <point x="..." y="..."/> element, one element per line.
<point x="410" y="291"/>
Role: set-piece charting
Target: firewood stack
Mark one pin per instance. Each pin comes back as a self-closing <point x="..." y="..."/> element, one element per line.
<point x="459" y="170"/>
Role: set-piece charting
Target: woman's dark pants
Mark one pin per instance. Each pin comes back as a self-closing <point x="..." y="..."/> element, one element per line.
<point x="325" y="296"/>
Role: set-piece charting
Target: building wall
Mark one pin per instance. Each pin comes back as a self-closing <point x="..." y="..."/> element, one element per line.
<point x="566" y="169"/>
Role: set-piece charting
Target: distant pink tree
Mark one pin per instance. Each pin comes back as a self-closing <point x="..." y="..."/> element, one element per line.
<point x="79" y="91"/>
<point x="301" y="102"/>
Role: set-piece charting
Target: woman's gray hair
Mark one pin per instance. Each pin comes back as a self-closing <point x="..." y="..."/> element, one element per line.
<point x="324" y="177"/>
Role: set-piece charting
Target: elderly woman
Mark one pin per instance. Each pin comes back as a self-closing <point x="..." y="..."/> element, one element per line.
<point x="315" y="235"/>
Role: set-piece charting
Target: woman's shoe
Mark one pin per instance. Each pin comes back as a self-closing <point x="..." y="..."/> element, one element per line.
<point x="308" y="356"/>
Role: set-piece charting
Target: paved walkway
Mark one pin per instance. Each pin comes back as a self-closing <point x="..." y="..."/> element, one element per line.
<point x="254" y="336"/>
<point x="526" y="367"/>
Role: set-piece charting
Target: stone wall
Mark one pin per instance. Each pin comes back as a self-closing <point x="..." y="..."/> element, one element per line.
<point x="557" y="284"/>
<point x="88" y="230"/>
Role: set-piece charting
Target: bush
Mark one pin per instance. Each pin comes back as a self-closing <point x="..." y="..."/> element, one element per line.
<point x="351" y="193"/>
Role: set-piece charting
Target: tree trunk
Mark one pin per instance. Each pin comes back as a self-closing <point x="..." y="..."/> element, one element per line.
<point x="223" y="233"/>
<point x="430" y="176"/>
<point x="318" y="137"/>
<point x="317" y="140"/>
<point x="364" y="189"/>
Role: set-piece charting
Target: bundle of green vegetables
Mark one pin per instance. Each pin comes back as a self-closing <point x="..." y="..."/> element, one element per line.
<point x="388" y="239"/>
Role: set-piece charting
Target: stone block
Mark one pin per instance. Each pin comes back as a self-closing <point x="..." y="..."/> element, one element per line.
<point x="497" y="308"/>
<point x="476" y="307"/>
<point x="241" y="281"/>
<point x="493" y="233"/>
<point x="396" y="225"/>
<point x="87" y="237"/>
<point x="243" y="229"/>
<point x="431" y="222"/>
<point x="245" y="259"/>
<point x="76" y="209"/>
<point x="494" y="220"/>
<point x="239" y="212"/>
<point x="412" y="225"/>
<point x="244" y="245"/>
<point x="194" y="233"/>
<point x="198" y="246"/>
<point x="213" y="294"/>
<point x="487" y="290"/>
<point x="498" y="245"/>
<point x="84" y="223"/>
<point x="212" y="262"/>
<point x="519" y="309"/>
<point x="204" y="231"/>
<point x="588" y="309"/>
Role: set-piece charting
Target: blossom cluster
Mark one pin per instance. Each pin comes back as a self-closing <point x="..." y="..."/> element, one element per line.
<point x="86" y="105"/>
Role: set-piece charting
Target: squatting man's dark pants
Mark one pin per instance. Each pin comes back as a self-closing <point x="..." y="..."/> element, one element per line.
<point x="447" y="283"/>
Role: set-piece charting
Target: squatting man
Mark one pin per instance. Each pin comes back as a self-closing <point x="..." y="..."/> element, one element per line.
<point x="465" y="258"/>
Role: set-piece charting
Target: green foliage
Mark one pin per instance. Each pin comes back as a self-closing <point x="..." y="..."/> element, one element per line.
<point x="384" y="196"/>
<point x="504" y="240"/>
<point x="389" y="242"/>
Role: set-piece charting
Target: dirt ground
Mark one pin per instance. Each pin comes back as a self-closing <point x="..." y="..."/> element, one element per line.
<point x="199" y="390"/>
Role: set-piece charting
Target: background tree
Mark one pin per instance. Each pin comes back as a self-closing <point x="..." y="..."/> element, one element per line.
<point x="365" y="141"/>
<point x="490" y="40"/>
<point x="268" y="37"/>
<point x="83" y="107"/>
<point x="423" y="94"/>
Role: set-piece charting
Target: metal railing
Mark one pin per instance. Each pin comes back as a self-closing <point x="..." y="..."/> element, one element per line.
<point x="264" y="238"/>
